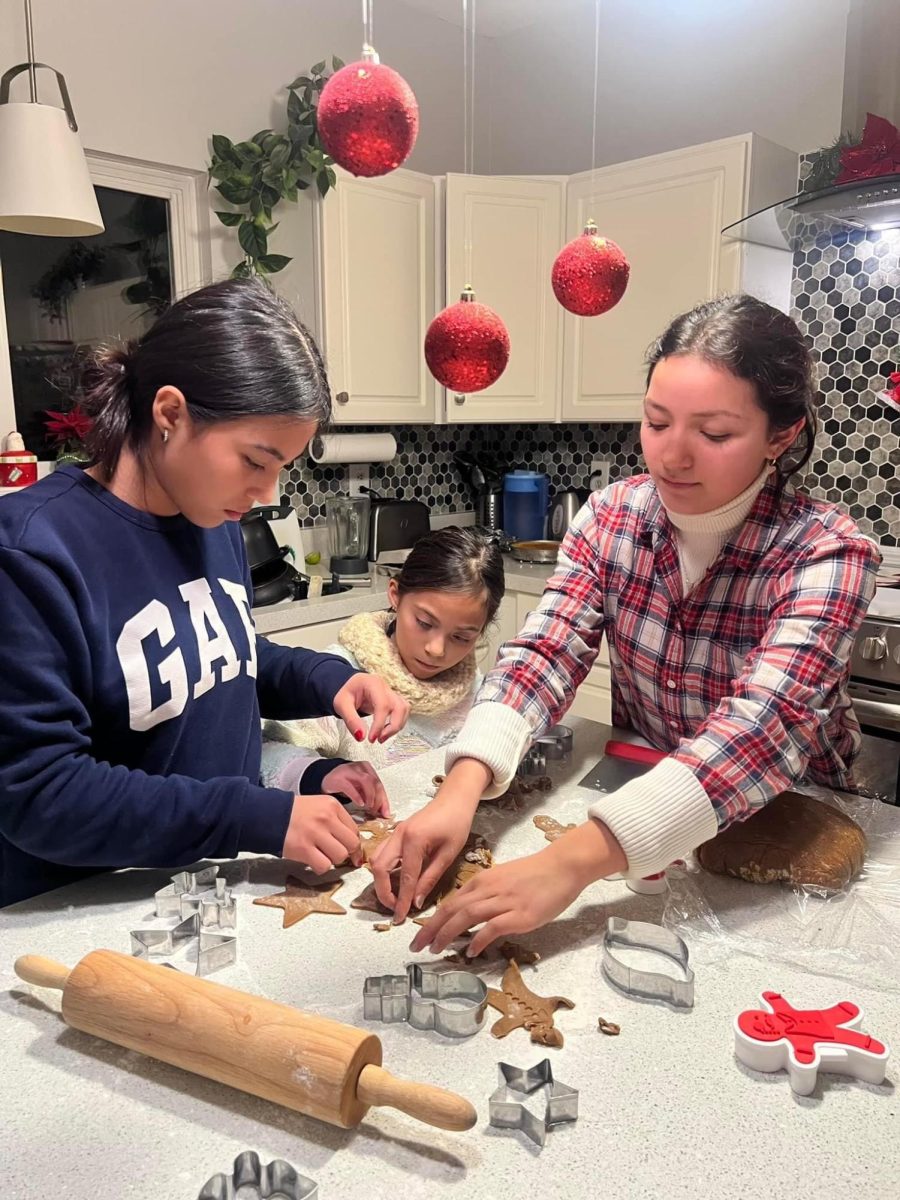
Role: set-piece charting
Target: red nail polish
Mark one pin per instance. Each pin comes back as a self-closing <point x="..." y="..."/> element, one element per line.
<point x="359" y="735"/>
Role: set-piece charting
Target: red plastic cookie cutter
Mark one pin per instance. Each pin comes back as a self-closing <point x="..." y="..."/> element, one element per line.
<point x="804" y="1040"/>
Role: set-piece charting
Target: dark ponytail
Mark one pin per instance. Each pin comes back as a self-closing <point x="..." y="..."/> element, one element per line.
<point x="761" y="344"/>
<point x="234" y="349"/>
<point x="455" y="560"/>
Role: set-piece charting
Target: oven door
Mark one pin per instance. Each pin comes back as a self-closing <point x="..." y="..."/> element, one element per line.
<point x="877" y="770"/>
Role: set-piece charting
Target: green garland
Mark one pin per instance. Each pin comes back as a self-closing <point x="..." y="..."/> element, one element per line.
<point x="255" y="176"/>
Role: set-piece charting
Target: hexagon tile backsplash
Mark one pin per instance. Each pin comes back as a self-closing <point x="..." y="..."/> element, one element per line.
<point x="846" y="299"/>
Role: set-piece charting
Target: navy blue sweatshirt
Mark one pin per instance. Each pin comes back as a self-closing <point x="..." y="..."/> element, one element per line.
<point x="132" y="682"/>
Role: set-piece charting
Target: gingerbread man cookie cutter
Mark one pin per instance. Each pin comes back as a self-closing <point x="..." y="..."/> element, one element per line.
<point x="649" y="985"/>
<point x="418" y="998"/>
<point x="806" y="1041"/>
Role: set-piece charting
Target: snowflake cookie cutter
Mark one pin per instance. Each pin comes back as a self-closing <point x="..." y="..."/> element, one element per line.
<point x="417" y="998"/>
<point x="648" y="985"/>
<point x="805" y="1041"/>
<point x="252" y="1180"/>
<point x="531" y="1100"/>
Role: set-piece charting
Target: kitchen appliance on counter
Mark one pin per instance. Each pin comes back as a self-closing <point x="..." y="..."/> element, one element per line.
<point x="347" y="519"/>
<point x="525" y="498"/>
<point x="563" y="508"/>
<point x="274" y="579"/>
<point x="875" y="691"/>
<point x="396" y="525"/>
<point x="485" y="477"/>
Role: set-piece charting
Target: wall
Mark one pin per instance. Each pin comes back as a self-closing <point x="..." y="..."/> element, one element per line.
<point x="846" y="299"/>
<point x="671" y="75"/>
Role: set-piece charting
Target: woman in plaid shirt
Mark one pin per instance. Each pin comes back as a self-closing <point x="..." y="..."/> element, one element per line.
<point x="729" y="603"/>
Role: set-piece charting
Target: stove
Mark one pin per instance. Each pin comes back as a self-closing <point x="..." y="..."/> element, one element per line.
<point x="875" y="691"/>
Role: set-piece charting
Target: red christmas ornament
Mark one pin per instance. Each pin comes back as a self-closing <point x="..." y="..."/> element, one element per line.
<point x="590" y="274"/>
<point x="368" y="117"/>
<point x="467" y="346"/>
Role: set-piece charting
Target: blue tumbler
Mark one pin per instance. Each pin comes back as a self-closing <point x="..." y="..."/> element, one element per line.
<point x="526" y="497"/>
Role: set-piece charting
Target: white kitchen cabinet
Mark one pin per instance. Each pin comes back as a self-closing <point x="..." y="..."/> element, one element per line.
<point x="380" y="287"/>
<point x="310" y="637"/>
<point x="502" y="628"/>
<point x="667" y="213"/>
<point x="594" y="698"/>
<point x="508" y="231"/>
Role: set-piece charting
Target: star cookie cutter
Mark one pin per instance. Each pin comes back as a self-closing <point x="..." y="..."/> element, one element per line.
<point x="204" y="911"/>
<point x="252" y="1181"/>
<point x="805" y="1041"/>
<point x="650" y="985"/>
<point x="417" y="998"/>
<point x="535" y="1086"/>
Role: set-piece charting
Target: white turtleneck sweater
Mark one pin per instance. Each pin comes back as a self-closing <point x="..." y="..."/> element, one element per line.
<point x="700" y="537"/>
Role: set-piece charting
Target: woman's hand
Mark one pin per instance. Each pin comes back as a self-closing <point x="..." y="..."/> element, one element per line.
<point x="321" y="834"/>
<point x="421" y="849"/>
<point x="522" y="895"/>
<point x="359" y="782"/>
<point x="365" y="694"/>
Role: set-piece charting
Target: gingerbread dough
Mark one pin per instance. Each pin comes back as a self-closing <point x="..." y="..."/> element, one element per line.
<point x="522" y="1009"/>
<point x="299" y="900"/>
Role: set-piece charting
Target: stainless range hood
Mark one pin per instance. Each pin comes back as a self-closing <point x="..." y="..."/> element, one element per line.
<point x="806" y="219"/>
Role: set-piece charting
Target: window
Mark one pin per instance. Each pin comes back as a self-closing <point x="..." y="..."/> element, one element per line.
<point x="62" y="296"/>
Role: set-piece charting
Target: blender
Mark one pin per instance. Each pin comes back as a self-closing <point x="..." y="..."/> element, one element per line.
<point x="347" y="520"/>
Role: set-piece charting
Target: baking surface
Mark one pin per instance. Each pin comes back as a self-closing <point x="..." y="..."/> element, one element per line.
<point x="665" y="1110"/>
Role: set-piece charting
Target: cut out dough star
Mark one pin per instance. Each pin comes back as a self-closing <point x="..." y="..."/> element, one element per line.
<point x="300" y="899"/>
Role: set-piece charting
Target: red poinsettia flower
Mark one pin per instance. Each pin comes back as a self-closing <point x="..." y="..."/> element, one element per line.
<point x="71" y="426"/>
<point x="877" y="154"/>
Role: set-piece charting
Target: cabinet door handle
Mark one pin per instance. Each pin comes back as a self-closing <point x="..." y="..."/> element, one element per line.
<point x="460" y="399"/>
<point x="342" y="397"/>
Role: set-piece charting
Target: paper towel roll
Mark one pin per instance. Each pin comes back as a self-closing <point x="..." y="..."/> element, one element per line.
<point x="353" y="448"/>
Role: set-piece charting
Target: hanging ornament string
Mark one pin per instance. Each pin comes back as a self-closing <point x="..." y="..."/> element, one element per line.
<point x="368" y="17"/>
<point x="468" y="116"/>
<point x="590" y="273"/>
<point x="467" y="344"/>
<point x="367" y="115"/>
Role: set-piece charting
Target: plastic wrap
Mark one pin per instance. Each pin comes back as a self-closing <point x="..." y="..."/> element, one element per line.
<point x="850" y="934"/>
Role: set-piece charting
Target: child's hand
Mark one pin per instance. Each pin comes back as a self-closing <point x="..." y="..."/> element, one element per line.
<point x="321" y="834"/>
<point x="359" y="782"/>
<point x="365" y="694"/>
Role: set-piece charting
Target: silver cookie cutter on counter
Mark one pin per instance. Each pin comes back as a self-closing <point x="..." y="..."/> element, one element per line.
<point x="417" y="998"/>
<point x="556" y="743"/>
<point x="252" y="1180"/>
<point x="507" y="1105"/>
<point x="534" y="763"/>
<point x="649" y="985"/>
<point x="205" y="906"/>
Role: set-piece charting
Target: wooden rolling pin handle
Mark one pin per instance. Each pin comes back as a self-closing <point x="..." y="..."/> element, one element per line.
<point x="43" y="972"/>
<point x="432" y="1105"/>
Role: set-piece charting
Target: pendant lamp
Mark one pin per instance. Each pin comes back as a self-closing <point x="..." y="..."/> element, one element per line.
<point x="45" y="186"/>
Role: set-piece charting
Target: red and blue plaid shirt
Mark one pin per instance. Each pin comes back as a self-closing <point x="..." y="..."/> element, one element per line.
<point x="744" y="680"/>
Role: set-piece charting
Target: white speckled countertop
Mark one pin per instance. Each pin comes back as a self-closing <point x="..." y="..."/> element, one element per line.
<point x="665" y="1110"/>
<point x="520" y="577"/>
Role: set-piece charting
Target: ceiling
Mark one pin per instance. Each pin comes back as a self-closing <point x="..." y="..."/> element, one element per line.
<point x="493" y="18"/>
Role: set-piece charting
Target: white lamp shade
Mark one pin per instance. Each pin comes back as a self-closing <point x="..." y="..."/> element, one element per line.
<point x="45" y="186"/>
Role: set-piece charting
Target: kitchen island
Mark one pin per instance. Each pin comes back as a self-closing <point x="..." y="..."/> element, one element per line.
<point x="664" y="1108"/>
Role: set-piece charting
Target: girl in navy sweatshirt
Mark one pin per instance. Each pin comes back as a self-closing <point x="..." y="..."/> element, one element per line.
<point x="132" y="681"/>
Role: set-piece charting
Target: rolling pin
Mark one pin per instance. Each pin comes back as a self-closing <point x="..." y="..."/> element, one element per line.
<point x="314" y="1065"/>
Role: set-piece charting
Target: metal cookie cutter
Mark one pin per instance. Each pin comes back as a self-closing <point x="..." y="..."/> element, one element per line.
<point x="534" y="763"/>
<point x="252" y="1181"/>
<point x="205" y="906"/>
<point x="417" y="996"/>
<point x="519" y="1087"/>
<point x="556" y="743"/>
<point x="642" y="935"/>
